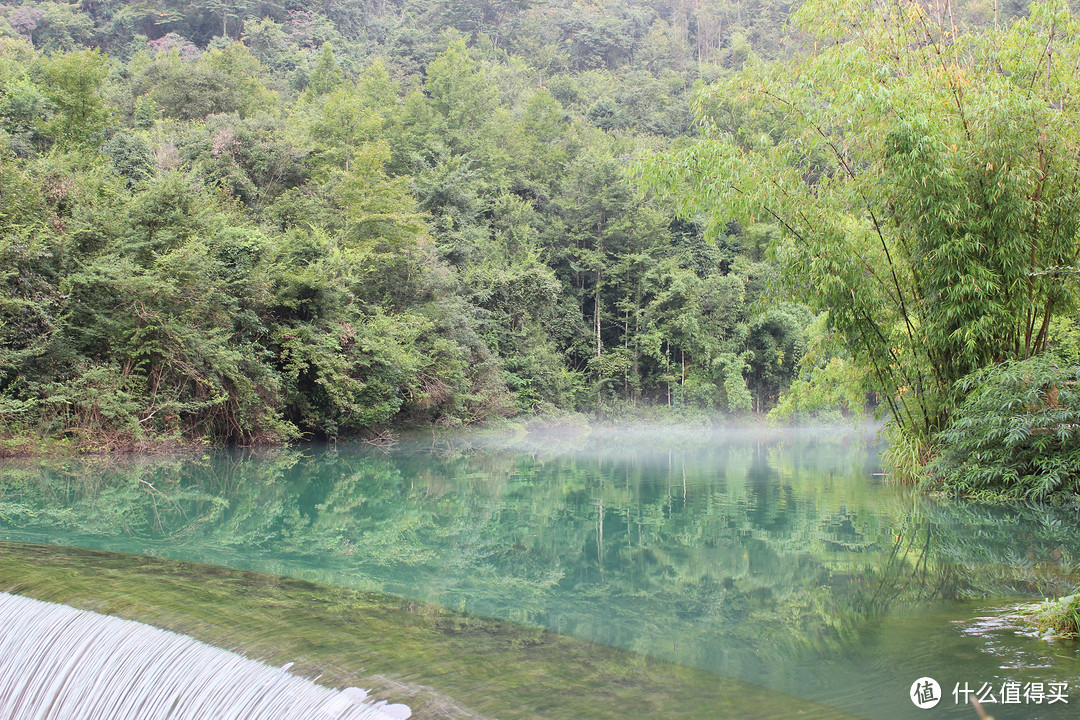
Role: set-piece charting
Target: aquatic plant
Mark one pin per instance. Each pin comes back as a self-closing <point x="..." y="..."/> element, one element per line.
<point x="444" y="664"/>
<point x="1059" y="618"/>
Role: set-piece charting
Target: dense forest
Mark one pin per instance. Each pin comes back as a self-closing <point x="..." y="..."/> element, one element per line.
<point x="237" y="221"/>
<point x="251" y="221"/>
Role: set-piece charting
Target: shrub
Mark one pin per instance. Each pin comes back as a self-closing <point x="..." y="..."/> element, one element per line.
<point x="1016" y="434"/>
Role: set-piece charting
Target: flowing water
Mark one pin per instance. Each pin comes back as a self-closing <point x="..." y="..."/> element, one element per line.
<point x="777" y="568"/>
<point x="60" y="663"/>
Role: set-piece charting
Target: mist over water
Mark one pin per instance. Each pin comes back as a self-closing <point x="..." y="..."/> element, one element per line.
<point x="780" y="557"/>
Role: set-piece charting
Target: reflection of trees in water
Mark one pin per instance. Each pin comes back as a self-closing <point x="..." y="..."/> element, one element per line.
<point x="947" y="550"/>
<point x="720" y="557"/>
<point x="909" y="576"/>
<point x="1006" y="550"/>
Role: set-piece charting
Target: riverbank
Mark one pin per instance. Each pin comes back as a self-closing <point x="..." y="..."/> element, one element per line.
<point x="1054" y="618"/>
<point x="28" y="444"/>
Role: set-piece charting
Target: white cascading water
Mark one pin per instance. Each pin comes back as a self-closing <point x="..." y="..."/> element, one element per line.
<point x="59" y="663"/>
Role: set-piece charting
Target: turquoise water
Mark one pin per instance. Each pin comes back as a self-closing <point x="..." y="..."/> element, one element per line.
<point x="781" y="559"/>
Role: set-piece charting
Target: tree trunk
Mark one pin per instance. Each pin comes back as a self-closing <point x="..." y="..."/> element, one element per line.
<point x="596" y="311"/>
<point x="667" y="354"/>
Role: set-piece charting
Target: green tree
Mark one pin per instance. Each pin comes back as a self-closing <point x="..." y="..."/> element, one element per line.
<point x="72" y="82"/>
<point x="926" y="181"/>
<point x="326" y="75"/>
<point x="219" y="81"/>
<point x="461" y="94"/>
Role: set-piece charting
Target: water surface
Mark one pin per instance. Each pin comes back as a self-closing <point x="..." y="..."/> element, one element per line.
<point x="783" y="560"/>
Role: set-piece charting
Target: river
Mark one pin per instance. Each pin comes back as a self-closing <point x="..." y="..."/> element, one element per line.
<point x="570" y="574"/>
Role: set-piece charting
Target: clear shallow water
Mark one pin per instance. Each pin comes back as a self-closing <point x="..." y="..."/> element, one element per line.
<point x="782" y="560"/>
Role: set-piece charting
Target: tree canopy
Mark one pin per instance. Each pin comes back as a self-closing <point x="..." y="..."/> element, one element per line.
<point x="925" y="177"/>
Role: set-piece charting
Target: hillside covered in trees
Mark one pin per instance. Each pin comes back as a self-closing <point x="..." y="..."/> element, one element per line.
<point x="246" y="221"/>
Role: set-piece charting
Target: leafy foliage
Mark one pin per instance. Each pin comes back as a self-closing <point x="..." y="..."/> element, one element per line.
<point x="1017" y="433"/>
<point x="1059" y="617"/>
<point x="828" y="387"/>
<point x="324" y="218"/>
<point x="925" y="178"/>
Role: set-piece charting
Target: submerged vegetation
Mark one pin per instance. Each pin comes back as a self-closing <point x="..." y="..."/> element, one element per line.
<point x="444" y="664"/>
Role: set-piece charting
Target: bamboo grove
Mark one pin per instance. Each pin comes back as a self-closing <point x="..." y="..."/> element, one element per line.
<point x="925" y="176"/>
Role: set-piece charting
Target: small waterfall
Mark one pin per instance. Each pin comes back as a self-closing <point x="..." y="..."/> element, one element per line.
<point x="59" y="663"/>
